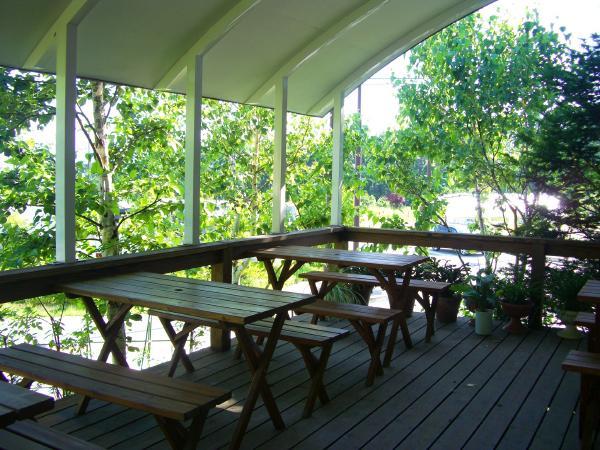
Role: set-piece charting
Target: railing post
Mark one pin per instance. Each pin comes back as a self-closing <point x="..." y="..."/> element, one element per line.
<point x="220" y="340"/>
<point x="538" y="270"/>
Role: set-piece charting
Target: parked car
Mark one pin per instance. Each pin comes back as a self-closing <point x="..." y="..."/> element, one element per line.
<point x="447" y="229"/>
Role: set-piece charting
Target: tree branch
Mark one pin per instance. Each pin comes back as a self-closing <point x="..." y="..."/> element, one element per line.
<point x="139" y="211"/>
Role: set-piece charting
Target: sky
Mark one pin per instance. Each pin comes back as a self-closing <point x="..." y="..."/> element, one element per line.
<point x="379" y="105"/>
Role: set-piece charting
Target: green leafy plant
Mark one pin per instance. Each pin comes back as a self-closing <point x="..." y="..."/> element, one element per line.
<point x="479" y="290"/>
<point x="563" y="283"/>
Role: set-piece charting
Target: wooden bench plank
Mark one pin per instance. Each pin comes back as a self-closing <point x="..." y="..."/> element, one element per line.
<point x="127" y="388"/>
<point x="30" y="435"/>
<point x="304" y="336"/>
<point x="370" y="280"/>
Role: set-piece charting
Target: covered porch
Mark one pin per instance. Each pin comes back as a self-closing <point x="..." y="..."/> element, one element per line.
<point x="460" y="390"/>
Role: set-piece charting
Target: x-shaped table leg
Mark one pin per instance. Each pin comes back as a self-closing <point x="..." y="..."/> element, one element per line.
<point x="178" y="340"/>
<point x="398" y="296"/>
<point x="258" y="361"/>
<point x="109" y="331"/>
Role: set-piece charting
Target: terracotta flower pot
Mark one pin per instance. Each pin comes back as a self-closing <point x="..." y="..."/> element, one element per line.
<point x="447" y="309"/>
<point x="515" y="313"/>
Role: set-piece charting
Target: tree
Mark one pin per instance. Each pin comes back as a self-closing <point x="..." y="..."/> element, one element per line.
<point x="480" y="84"/>
<point x="565" y="157"/>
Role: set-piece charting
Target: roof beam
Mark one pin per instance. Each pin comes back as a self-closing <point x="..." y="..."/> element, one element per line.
<point x="73" y="14"/>
<point x="401" y="45"/>
<point x="312" y="48"/>
<point x="208" y="40"/>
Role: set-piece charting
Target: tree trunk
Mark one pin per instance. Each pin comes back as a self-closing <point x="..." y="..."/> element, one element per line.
<point x="109" y="234"/>
<point x="479" y="209"/>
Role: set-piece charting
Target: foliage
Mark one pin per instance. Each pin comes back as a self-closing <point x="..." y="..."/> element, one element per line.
<point x="515" y="287"/>
<point x="563" y="282"/>
<point x="442" y="271"/>
<point x="480" y="84"/>
<point x="479" y="290"/>
<point x="565" y="161"/>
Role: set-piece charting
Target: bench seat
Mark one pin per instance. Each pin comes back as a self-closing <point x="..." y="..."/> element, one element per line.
<point x="587" y="364"/>
<point x="170" y="401"/>
<point x="304" y="336"/>
<point x="30" y="435"/>
<point x="426" y="293"/>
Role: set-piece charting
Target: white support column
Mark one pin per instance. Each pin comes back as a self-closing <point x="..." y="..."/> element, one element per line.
<point x="193" y="122"/>
<point x="337" y="173"/>
<point x="279" y="160"/>
<point x="66" y="97"/>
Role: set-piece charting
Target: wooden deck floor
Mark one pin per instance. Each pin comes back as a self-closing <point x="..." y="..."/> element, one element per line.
<point x="459" y="391"/>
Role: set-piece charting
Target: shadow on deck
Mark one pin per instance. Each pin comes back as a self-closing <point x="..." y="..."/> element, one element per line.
<point x="460" y="390"/>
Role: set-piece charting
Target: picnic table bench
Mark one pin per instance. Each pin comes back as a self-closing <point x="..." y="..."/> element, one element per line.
<point x="363" y="318"/>
<point x="170" y="401"/>
<point x="426" y="293"/>
<point x="304" y="336"/>
<point x="30" y="435"/>
<point x="587" y="364"/>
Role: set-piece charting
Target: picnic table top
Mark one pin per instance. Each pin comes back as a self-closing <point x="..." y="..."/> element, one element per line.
<point x="205" y="299"/>
<point x="18" y="403"/>
<point x="590" y="292"/>
<point x="383" y="261"/>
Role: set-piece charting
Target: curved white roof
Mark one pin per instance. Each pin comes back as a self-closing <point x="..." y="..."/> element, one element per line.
<point x="323" y="46"/>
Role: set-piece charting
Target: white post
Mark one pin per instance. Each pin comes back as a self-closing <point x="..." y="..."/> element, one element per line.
<point x="66" y="97"/>
<point x="337" y="173"/>
<point x="279" y="160"/>
<point x="193" y="122"/>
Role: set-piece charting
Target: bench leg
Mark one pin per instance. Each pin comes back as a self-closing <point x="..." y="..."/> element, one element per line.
<point x="316" y="369"/>
<point x="180" y="437"/>
<point x="397" y="296"/>
<point x="389" y="351"/>
<point x="259" y="364"/>
<point x="374" y="344"/>
<point x="588" y="410"/>
<point x="429" y="303"/>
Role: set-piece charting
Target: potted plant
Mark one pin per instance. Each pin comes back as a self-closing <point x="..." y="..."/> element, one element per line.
<point x="563" y="284"/>
<point x="445" y="272"/>
<point x="514" y="293"/>
<point x="480" y="291"/>
<point x="351" y="292"/>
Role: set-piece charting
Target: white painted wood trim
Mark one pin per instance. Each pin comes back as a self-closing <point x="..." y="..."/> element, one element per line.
<point x="193" y="124"/>
<point x="73" y="14"/>
<point x="386" y="55"/>
<point x="337" y="172"/>
<point x="330" y="35"/>
<point x="66" y="97"/>
<point x="279" y="157"/>
<point x="208" y="40"/>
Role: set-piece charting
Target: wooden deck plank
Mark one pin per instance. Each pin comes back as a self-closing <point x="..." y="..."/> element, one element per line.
<point x="492" y="428"/>
<point x="521" y="430"/>
<point x="407" y="407"/>
<point x="363" y="400"/>
<point x="342" y="376"/>
<point x="460" y="431"/>
<point x="419" y="426"/>
<point x="416" y="403"/>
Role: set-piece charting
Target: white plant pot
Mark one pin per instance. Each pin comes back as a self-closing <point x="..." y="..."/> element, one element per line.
<point x="483" y="322"/>
<point x="570" y="330"/>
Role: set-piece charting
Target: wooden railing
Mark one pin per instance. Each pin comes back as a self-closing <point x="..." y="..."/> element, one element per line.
<point x="36" y="281"/>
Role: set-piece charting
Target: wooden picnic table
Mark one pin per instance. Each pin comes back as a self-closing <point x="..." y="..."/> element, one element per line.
<point x="18" y="403"/>
<point x="590" y="293"/>
<point x="232" y="305"/>
<point x="384" y="266"/>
